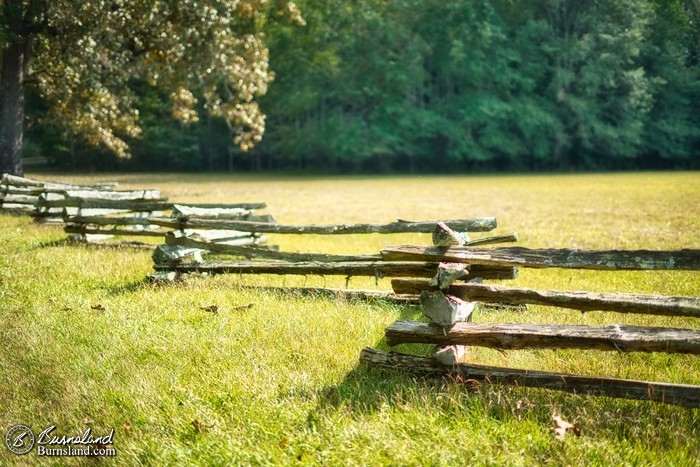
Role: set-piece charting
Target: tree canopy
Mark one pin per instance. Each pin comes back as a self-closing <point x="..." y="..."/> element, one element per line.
<point x="375" y="85"/>
<point x="84" y="58"/>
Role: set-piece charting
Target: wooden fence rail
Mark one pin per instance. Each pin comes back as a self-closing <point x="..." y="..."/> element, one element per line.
<point x="604" y="260"/>
<point x="339" y="268"/>
<point x="582" y="301"/>
<point x="676" y="394"/>
<point x="467" y="225"/>
<point x="548" y="336"/>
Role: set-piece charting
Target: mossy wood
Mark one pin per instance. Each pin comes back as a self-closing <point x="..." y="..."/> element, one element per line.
<point x="684" y="395"/>
<point x="472" y="225"/>
<point x="82" y="229"/>
<point x="612" y="337"/>
<point x="604" y="260"/>
<point x="17" y="181"/>
<point x="583" y="301"/>
<point x="342" y="268"/>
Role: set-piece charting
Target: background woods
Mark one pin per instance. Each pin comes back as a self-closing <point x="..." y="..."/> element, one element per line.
<point x="414" y="86"/>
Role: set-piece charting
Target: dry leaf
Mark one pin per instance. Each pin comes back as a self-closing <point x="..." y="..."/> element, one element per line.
<point x="210" y="308"/>
<point x="243" y="307"/>
<point x="561" y="427"/>
<point x="98" y="307"/>
<point x="88" y="421"/>
<point x="126" y="426"/>
<point x="68" y="308"/>
<point x="198" y="425"/>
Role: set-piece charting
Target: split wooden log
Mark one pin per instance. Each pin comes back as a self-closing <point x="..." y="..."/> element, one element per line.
<point x="582" y="301"/>
<point x="548" y="336"/>
<point x="505" y="238"/>
<point x="18" y="199"/>
<point x="84" y="230"/>
<point x="205" y="237"/>
<point x="343" y="268"/>
<point x="683" y="395"/>
<point x="605" y="260"/>
<point x="16" y="181"/>
<point x="445" y="310"/>
<point x="130" y="205"/>
<point x="174" y="253"/>
<point x="182" y="211"/>
<point x="472" y="225"/>
<point x="179" y="237"/>
<point x="248" y="206"/>
<point x="106" y="220"/>
<point x="443" y="235"/>
<point x="450" y="355"/>
<point x="113" y="195"/>
<point x="448" y="273"/>
<point x="365" y="268"/>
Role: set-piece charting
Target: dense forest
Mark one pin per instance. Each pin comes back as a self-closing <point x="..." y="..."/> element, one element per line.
<point x="441" y="86"/>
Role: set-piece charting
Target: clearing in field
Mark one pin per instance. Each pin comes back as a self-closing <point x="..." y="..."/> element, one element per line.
<point x="86" y="341"/>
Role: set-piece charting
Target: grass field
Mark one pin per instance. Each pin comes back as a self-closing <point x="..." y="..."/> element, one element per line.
<point x="280" y="383"/>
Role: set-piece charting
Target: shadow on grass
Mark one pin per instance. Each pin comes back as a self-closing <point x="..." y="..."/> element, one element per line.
<point x="367" y="389"/>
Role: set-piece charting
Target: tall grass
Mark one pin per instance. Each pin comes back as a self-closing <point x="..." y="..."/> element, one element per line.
<point x="280" y="382"/>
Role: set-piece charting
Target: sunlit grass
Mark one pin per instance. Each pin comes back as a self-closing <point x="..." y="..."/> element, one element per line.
<point x="280" y="382"/>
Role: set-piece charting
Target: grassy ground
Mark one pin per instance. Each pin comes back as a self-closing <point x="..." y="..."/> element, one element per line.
<point x="280" y="382"/>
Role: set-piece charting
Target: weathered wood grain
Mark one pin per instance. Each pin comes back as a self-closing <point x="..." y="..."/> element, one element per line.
<point x="471" y="225"/>
<point x="505" y="238"/>
<point x="610" y="260"/>
<point x="445" y="310"/>
<point x="582" y="301"/>
<point x="447" y="273"/>
<point x="548" y="336"/>
<point x="683" y="395"/>
<point x="17" y="181"/>
<point x="183" y="211"/>
<point x="363" y="268"/>
<point x="443" y="235"/>
<point x="131" y="205"/>
<point x="352" y="268"/>
<point x="82" y="229"/>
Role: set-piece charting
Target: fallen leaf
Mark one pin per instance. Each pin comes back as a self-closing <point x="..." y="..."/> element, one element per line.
<point x="561" y="427"/>
<point x="88" y="421"/>
<point x="67" y="308"/>
<point x="210" y="308"/>
<point x="243" y="307"/>
<point x="98" y="307"/>
<point x="126" y="426"/>
<point x="198" y="425"/>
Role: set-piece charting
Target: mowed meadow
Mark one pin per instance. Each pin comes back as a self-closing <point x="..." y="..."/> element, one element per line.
<point x="86" y="341"/>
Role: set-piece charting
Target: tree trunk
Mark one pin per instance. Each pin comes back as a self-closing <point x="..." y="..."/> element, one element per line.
<point x="15" y="59"/>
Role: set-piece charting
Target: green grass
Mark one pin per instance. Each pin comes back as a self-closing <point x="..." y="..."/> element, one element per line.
<point x="280" y="383"/>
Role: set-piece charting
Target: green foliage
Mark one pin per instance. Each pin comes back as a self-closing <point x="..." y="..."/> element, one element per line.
<point x="442" y="86"/>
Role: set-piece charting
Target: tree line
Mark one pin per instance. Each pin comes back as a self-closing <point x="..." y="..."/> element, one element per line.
<point x="439" y="86"/>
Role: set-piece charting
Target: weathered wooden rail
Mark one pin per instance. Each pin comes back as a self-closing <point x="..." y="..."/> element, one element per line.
<point x="272" y="261"/>
<point x="450" y="308"/>
<point x="601" y="260"/>
<point x="23" y="194"/>
<point x="683" y="395"/>
<point x="576" y="300"/>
